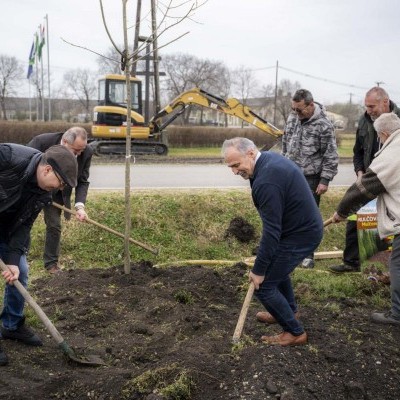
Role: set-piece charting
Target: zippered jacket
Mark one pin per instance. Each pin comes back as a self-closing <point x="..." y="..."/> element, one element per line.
<point x="312" y="145"/>
<point x="363" y="150"/>
<point x="45" y="140"/>
<point x="18" y="181"/>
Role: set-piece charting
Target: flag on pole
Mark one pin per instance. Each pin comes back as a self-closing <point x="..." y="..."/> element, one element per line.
<point x="41" y="42"/>
<point x="36" y="43"/>
<point x="31" y="60"/>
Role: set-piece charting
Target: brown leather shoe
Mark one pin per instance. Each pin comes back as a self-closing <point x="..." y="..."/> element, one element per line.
<point x="54" y="269"/>
<point x="266" y="317"/>
<point x="286" y="339"/>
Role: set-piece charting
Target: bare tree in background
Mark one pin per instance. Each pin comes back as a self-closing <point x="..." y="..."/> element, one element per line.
<point x="81" y="83"/>
<point x="110" y="63"/>
<point x="351" y="111"/>
<point x="11" y="73"/>
<point x="185" y="71"/>
<point x="245" y="84"/>
<point x="286" y="90"/>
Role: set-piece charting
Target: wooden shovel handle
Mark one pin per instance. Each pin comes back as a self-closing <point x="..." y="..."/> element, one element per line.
<point x="106" y="228"/>
<point x="328" y="222"/>
<point x="39" y="312"/>
<point x="243" y="314"/>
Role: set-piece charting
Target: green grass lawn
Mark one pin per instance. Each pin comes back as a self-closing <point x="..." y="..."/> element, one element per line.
<point x="191" y="225"/>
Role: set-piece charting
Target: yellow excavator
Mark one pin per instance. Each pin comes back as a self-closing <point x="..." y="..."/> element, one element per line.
<point x="110" y="115"/>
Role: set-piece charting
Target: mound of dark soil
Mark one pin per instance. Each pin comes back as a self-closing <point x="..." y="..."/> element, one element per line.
<point x="166" y="334"/>
<point x="240" y="229"/>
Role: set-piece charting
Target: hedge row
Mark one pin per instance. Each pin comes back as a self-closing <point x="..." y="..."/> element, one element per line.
<point x="178" y="136"/>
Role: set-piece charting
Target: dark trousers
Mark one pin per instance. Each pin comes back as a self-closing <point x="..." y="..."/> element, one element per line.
<point x="350" y="254"/>
<point x="52" y="218"/>
<point x="313" y="182"/>
<point x="276" y="291"/>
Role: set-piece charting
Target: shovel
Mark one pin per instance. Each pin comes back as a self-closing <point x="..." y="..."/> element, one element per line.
<point x="89" y="360"/>
<point x="243" y="314"/>
<point x="106" y="228"/>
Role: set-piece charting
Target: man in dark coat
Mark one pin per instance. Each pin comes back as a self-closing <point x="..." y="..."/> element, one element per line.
<point x="292" y="229"/>
<point x="75" y="140"/>
<point x="27" y="177"/>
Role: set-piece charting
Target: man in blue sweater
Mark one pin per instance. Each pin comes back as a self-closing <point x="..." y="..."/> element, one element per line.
<point x="292" y="229"/>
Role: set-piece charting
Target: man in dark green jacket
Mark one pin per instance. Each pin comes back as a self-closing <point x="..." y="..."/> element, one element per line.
<point x="367" y="143"/>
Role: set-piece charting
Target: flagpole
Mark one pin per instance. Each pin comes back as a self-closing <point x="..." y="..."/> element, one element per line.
<point x="42" y="85"/>
<point x="37" y="86"/>
<point x="30" y="100"/>
<point x="48" y="63"/>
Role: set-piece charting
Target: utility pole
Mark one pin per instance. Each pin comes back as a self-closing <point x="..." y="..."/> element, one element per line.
<point x="155" y="57"/>
<point x="351" y="96"/>
<point x="276" y="91"/>
<point x="136" y="40"/>
<point x="378" y="83"/>
<point x="151" y="54"/>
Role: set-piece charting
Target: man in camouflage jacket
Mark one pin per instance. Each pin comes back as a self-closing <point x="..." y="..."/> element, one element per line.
<point x="309" y="140"/>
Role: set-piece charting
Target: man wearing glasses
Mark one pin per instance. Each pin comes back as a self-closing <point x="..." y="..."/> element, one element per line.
<point x="309" y="140"/>
<point x="27" y="177"/>
<point x="75" y="140"/>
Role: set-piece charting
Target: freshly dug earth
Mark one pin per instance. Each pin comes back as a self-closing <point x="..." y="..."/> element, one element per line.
<point x="165" y="333"/>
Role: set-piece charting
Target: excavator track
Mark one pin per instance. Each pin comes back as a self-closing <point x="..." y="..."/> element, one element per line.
<point x="118" y="147"/>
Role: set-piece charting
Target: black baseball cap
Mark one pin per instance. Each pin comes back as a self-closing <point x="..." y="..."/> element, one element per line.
<point x="63" y="161"/>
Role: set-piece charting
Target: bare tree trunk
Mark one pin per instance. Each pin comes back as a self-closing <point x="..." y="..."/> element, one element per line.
<point x="127" y="258"/>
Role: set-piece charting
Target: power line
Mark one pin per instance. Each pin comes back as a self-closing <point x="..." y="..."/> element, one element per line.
<point x="323" y="79"/>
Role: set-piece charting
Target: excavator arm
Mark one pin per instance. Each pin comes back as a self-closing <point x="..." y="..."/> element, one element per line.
<point x="202" y="98"/>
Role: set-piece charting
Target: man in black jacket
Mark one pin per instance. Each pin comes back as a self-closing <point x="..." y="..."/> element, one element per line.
<point x="27" y="177"/>
<point x="367" y="143"/>
<point x="75" y="140"/>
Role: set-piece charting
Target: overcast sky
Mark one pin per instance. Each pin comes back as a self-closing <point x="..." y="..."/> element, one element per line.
<point x="332" y="47"/>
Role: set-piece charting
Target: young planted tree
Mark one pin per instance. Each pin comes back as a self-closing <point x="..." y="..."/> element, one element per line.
<point x="169" y="19"/>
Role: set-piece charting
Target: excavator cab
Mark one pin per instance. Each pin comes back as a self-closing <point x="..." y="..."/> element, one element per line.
<point x="112" y="92"/>
<point x="112" y="98"/>
<point x="110" y="119"/>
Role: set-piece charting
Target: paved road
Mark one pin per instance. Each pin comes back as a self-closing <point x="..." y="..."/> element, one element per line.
<point x="167" y="176"/>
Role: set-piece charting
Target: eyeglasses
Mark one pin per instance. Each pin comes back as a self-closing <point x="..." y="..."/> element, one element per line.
<point x="300" y="110"/>
<point x="62" y="183"/>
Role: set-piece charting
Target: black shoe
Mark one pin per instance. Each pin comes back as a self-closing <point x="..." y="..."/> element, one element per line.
<point x="384" y="318"/>
<point x="23" y="334"/>
<point x="340" y="269"/>
<point x="3" y="357"/>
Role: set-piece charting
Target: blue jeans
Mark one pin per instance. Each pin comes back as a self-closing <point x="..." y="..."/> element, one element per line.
<point x="13" y="303"/>
<point x="276" y="292"/>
